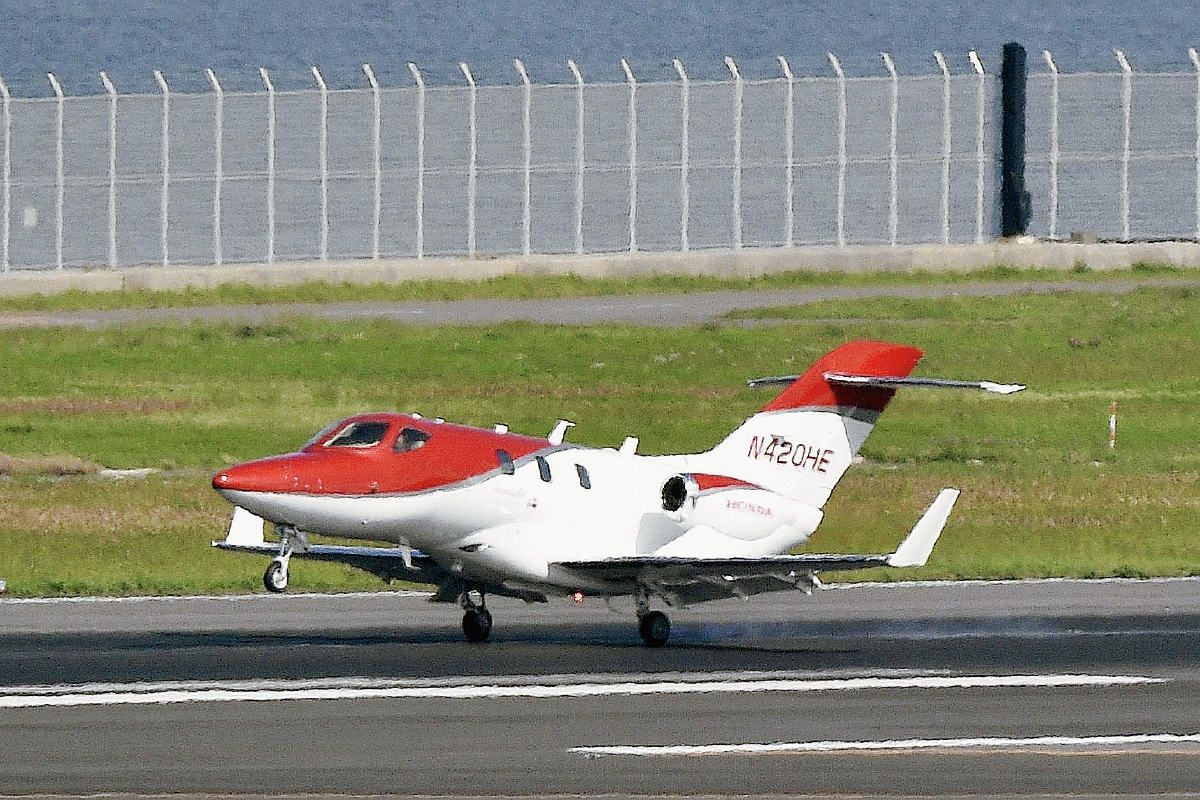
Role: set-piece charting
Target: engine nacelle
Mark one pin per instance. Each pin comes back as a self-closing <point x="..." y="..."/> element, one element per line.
<point x="740" y="512"/>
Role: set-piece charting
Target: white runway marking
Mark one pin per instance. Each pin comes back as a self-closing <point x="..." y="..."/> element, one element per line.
<point x="365" y="689"/>
<point x="993" y="743"/>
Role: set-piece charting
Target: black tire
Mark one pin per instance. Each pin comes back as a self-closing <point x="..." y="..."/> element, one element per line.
<point x="275" y="578"/>
<point x="655" y="629"/>
<point x="477" y="624"/>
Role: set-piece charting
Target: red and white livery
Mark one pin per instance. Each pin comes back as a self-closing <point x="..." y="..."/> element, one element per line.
<point x="477" y="512"/>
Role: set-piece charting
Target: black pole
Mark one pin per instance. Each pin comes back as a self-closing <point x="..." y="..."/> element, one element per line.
<point x="1014" y="200"/>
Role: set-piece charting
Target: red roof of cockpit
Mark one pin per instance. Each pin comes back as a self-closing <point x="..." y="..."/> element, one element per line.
<point x="451" y="455"/>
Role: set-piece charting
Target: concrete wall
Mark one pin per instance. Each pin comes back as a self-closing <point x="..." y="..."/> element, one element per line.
<point x="747" y="262"/>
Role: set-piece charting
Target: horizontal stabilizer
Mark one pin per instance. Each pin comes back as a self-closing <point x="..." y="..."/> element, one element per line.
<point x="915" y="549"/>
<point x="931" y="383"/>
<point x="892" y="382"/>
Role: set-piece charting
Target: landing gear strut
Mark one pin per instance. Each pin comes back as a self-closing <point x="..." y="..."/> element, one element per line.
<point x="477" y="620"/>
<point x="276" y="576"/>
<point x="654" y="626"/>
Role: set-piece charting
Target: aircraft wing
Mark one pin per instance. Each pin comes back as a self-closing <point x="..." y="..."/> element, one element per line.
<point x="682" y="580"/>
<point x="389" y="563"/>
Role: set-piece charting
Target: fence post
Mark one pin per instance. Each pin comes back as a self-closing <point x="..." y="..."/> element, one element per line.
<point x="266" y="79"/>
<point x="474" y="158"/>
<point x="684" y="147"/>
<point x="377" y="158"/>
<point x="579" y="164"/>
<point x="165" y="161"/>
<point x="947" y="131"/>
<point x="218" y="139"/>
<point x="112" y="168"/>
<point x="527" y="150"/>
<point x="738" y="90"/>
<point x="1127" y="118"/>
<point x="416" y="73"/>
<point x="59" y="177"/>
<point x="893" y="153"/>
<point x="323" y="160"/>
<point x="841" y="146"/>
<point x="789" y="151"/>
<point x="1014" y="200"/>
<point x="7" y="233"/>
<point x="632" y="138"/>
<point x="1195" y="57"/>
<point x="1046" y="54"/>
<point x="980" y="158"/>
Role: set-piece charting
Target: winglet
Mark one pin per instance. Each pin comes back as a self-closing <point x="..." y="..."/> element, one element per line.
<point x="915" y="549"/>
<point x="245" y="529"/>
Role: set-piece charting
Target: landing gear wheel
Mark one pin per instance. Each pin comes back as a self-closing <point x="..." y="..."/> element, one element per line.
<point x="276" y="576"/>
<point x="655" y="628"/>
<point x="477" y="624"/>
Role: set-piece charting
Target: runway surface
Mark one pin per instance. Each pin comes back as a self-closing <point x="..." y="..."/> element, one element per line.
<point x="986" y="689"/>
<point x="659" y="310"/>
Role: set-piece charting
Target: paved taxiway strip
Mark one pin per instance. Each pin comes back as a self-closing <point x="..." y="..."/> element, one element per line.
<point x="63" y="696"/>
<point x="660" y="310"/>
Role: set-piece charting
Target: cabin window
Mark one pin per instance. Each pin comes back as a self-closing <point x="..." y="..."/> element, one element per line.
<point x="359" y="434"/>
<point x="411" y="439"/>
<point x="585" y="480"/>
<point x="543" y="468"/>
<point x="506" y="462"/>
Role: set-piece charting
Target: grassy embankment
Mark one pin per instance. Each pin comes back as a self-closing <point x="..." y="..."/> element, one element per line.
<point x="1043" y="495"/>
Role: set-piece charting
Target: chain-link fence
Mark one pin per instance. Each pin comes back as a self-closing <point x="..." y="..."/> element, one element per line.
<point x="417" y="170"/>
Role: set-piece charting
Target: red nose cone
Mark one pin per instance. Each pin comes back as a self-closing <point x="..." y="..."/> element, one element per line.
<point x="279" y="474"/>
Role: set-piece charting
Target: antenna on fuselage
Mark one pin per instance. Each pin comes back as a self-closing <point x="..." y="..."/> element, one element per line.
<point x="560" y="431"/>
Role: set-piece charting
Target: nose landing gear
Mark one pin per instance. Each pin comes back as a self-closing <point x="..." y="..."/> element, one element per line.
<point x="276" y="576"/>
<point x="275" y="579"/>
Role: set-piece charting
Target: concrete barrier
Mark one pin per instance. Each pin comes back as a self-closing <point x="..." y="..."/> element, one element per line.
<point x="749" y="262"/>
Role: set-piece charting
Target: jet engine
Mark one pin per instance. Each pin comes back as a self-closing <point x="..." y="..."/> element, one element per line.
<point x="679" y="494"/>
<point x="740" y="512"/>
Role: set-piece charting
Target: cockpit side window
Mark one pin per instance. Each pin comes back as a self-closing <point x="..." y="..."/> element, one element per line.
<point x="411" y="439"/>
<point x="506" y="463"/>
<point x="359" y="434"/>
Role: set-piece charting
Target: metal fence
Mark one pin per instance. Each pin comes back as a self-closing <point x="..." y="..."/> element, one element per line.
<point x="481" y="170"/>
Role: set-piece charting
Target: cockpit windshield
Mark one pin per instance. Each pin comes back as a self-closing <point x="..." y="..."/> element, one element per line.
<point x="360" y="434"/>
<point x="321" y="434"/>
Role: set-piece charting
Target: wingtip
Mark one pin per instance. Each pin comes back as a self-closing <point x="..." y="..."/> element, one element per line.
<point x="1001" y="388"/>
<point x="915" y="549"/>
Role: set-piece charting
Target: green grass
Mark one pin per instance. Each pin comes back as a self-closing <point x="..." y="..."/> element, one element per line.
<point x="1043" y="495"/>
<point x="545" y="286"/>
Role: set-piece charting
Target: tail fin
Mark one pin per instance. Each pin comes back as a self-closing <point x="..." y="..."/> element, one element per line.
<point x="801" y="443"/>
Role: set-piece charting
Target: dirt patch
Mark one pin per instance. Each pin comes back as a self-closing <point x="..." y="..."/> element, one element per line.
<point x="44" y="465"/>
<point x="72" y="406"/>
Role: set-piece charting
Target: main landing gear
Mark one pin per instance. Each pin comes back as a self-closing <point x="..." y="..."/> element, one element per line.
<point x="654" y="626"/>
<point x="477" y="620"/>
